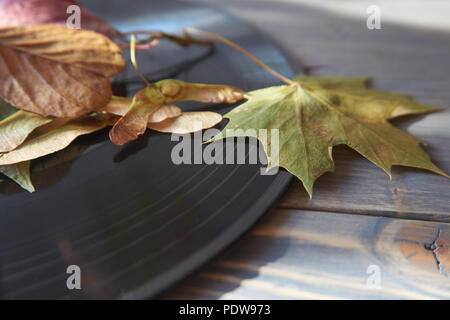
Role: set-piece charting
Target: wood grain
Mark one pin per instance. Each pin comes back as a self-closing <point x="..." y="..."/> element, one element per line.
<point x="295" y="254"/>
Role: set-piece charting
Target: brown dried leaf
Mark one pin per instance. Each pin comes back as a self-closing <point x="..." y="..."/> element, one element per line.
<point x="55" y="71"/>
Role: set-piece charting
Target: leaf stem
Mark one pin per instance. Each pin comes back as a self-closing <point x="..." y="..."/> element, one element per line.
<point x="145" y="44"/>
<point x="239" y="48"/>
<point x="133" y="59"/>
<point x="185" y="41"/>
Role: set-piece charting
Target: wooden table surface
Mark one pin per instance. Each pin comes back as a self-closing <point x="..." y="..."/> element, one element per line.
<point x="362" y="235"/>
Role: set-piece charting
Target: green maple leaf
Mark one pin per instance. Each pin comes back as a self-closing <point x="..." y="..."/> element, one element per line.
<point x="314" y="114"/>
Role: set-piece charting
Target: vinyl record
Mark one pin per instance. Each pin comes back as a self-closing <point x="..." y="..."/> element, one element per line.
<point x="130" y="219"/>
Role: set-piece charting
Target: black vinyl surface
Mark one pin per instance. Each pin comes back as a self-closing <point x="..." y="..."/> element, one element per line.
<point x="133" y="221"/>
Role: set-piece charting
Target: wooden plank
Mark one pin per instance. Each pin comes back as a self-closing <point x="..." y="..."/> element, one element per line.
<point x="294" y="254"/>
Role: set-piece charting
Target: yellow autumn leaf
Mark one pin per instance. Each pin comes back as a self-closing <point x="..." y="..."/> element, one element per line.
<point x="53" y="137"/>
<point x="16" y="128"/>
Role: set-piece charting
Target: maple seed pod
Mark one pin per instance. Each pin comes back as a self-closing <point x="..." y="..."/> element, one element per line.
<point x="170" y="88"/>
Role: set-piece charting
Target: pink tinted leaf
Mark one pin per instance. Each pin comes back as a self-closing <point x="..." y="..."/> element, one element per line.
<point x="32" y="12"/>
